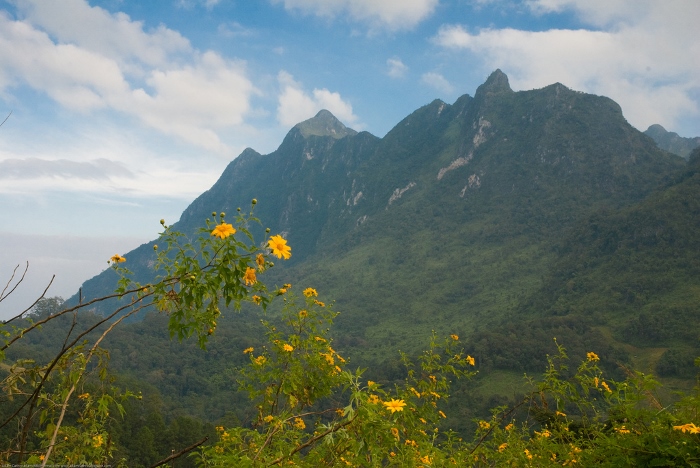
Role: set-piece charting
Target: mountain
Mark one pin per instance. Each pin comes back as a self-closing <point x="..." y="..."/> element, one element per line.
<point x="466" y="218"/>
<point x="671" y="141"/>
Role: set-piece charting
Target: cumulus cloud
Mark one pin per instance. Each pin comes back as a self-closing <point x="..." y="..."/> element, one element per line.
<point x="296" y="105"/>
<point x="396" y="68"/>
<point x="437" y="81"/>
<point x="111" y="62"/>
<point x="640" y="54"/>
<point x="390" y="14"/>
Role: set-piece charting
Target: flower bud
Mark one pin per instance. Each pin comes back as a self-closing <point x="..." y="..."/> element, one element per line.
<point x="255" y="201"/>
<point x="213" y="214"/>
<point x="155" y="247"/>
<point x="162" y="221"/>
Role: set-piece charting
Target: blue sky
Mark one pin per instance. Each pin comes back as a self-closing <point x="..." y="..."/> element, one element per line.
<point x="124" y="111"/>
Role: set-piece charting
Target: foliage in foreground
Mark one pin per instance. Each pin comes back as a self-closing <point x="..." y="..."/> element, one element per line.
<point x="310" y="408"/>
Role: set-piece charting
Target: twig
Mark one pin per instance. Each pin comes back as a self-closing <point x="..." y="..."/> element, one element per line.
<point x="8" y="116"/>
<point x="180" y="453"/>
<point x="2" y="294"/>
<point x="35" y="302"/>
<point x="312" y="440"/>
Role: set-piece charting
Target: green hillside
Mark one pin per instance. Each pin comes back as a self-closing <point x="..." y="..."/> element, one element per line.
<point x="509" y="218"/>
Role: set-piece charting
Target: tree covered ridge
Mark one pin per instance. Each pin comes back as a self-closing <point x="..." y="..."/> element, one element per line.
<point x="305" y="404"/>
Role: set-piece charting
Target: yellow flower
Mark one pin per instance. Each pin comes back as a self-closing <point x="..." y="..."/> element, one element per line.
<point x="286" y="286"/>
<point x="454" y="337"/>
<point x="84" y="396"/>
<point x="690" y="428"/>
<point x="310" y="292"/>
<point x="282" y="291"/>
<point x="268" y="418"/>
<point x="605" y="386"/>
<point x="340" y="412"/>
<point x="442" y="414"/>
<point x="249" y="276"/>
<point x="595" y="381"/>
<point x="415" y="392"/>
<point x="318" y="338"/>
<point x="510" y="427"/>
<point x="299" y="424"/>
<point x="248" y="350"/>
<point x="559" y="413"/>
<point x="426" y="459"/>
<point x="288" y="348"/>
<point x="545" y="433"/>
<point x="622" y="430"/>
<point x="260" y="261"/>
<point x="502" y="447"/>
<point x="97" y="440"/>
<point x="395" y="433"/>
<point x="260" y="360"/>
<point x="319" y="303"/>
<point x="423" y="421"/>
<point x="370" y="383"/>
<point x="484" y="425"/>
<point x="329" y="358"/>
<point x="394" y="405"/>
<point x="528" y="455"/>
<point x="279" y="247"/>
<point x="223" y="230"/>
<point x="303" y="313"/>
<point x="116" y="258"/>
<point x="470" y="361"/>
<point x="411" y="442"/>
<point x="374" y="399"/>
<point x="592" y="357"/>
<point x="392" y="454"/>
<point x="257" y="300"/>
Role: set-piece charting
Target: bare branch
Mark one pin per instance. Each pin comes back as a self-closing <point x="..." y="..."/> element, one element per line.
<point x="180" y="453"/>
<point x="8" y="116"/>
<point x="35" y="394"/>
<point x="72" y="389"/>
<point x="35" y="302"/>
<point x="2" y="294"/>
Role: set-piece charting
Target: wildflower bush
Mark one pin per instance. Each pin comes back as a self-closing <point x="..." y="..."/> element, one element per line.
<point x="309" y="406"/>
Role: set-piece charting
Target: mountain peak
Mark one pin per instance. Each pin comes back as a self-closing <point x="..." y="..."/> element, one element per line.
<point x="496" y="83"/>
<point x="324" y="124"/>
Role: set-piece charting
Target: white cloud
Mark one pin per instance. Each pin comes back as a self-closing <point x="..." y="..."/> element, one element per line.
<point x="296" y="105"/>
<point x="391" y="14"/>
<point x="641" y="55"/>
<point x="437" y="81"/>
<point x="397" y="69"/>
<point x="110" y="62"/>
<point x="31" y="168"/>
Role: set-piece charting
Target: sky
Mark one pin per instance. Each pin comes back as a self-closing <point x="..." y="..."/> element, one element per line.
<point x="121" y="112"/>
